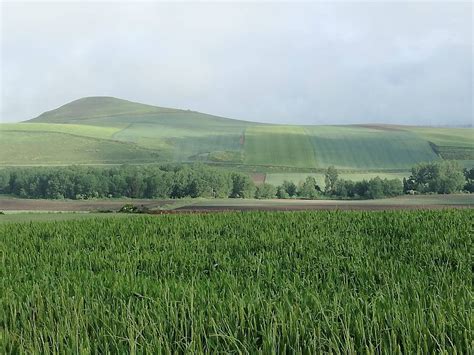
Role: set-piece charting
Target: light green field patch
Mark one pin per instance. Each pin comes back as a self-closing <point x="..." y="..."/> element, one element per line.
<point x="184" y="136"/>
<point x="278" y="146"/>
<point x="50" y="148"/>
<point x="75" y="129"/>
<point x="278" y="178"/>
<point x="452" y="137"/>
<point x="364" y="148"/>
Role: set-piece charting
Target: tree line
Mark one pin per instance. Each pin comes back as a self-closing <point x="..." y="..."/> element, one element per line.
<point x="441" y="177"/>
<point x="167" y="181"/>
<point x="178" y="181"/>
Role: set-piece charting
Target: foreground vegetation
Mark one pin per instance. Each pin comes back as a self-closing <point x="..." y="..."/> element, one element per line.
<point x="245" y="282"/>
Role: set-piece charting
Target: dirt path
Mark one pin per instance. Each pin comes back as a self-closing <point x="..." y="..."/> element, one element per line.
<point x="217" y="205"/>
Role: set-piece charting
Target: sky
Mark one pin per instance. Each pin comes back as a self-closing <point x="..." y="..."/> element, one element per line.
<point x="404" y="62"/>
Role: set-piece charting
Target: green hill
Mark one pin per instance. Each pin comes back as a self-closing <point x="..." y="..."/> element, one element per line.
<point x="106" y="130"/>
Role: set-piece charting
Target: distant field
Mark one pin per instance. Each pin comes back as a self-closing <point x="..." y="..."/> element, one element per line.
<point x="278" y="145"/>
<point x="104" y="130"/>
<point x="453" y="137"/>
<point x="278" y="178"/>
<point x="240" y="283"/>
<point x="366" y="148"/>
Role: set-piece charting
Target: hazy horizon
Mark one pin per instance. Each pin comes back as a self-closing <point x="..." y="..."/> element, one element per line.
<point x="298" y="63"/>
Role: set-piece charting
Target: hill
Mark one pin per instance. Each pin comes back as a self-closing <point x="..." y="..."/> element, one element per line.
<point x="106" y="130"/>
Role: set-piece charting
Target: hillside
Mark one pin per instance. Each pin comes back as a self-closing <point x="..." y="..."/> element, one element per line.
<point x="106" y="130"/>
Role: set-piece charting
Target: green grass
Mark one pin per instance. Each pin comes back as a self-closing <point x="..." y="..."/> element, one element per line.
<point x="278" y="178"/>
<point x="278" y="145"/>
<point x="325" y="282"/>
<point x="365" y="148"/>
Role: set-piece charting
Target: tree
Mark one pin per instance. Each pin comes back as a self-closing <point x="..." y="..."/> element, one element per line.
<point x="442" y="177"/>
<point x="451" y="178"/>
<point x="469" y="176"/>
<point x="330" y="179"/>
<point x="290" y="188"/>
<point x="309" y="188"/>
<point x="393" y="187"/>
<point x="282" y="193"/>
<point x="265" y="191"/>
<point x="375" y="188"/>
<point x="343" y="188"/>
<point x="242" y="186"/>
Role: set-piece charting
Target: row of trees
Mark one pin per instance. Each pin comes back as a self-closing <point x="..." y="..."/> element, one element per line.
<point x="169" y="181"/>
<point x="177" y="181"/>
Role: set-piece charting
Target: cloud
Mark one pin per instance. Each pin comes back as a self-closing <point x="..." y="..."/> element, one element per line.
<point x="305" y="63"/>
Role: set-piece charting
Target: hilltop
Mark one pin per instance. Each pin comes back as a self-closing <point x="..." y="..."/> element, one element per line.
<point x="107" y="130"/>
<point x="91" y="110"/>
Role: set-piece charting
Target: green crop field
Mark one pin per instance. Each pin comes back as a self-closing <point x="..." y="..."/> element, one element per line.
<point x="307" y="282"/>
<point x="366" y="148"/>
<point x="278" y="145"/>
<point x="112" y="131"/>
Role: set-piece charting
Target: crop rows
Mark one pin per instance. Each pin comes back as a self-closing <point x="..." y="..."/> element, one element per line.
<point x="260" y="282"/>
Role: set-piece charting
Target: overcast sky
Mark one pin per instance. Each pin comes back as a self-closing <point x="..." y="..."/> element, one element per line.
<point x="320" y="62"/>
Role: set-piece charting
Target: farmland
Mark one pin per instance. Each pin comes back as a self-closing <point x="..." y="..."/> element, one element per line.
<point x="368" y="148"/>
<point x="258" y="282"/>
<point x="278" y="145"/>
<point x="104" y="130"/>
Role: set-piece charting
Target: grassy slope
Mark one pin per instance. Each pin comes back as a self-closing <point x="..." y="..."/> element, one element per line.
<point x="89" y="108"/>
<point x="181" y="135"/>
<point x="26" y="148"/>
<point x="74" y="129"/>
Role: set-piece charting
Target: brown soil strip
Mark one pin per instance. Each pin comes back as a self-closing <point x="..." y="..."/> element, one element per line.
<point x="74" y="206"/>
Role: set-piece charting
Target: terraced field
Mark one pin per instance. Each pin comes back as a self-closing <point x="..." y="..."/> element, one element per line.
<point x="103" y="130"/>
